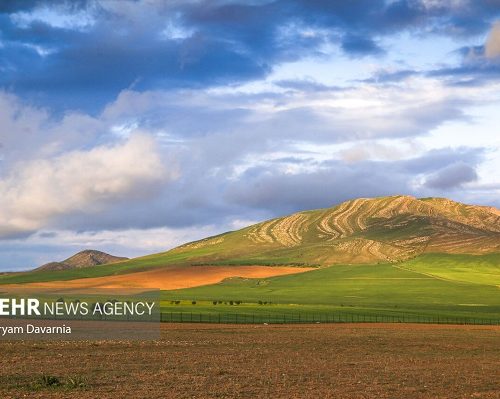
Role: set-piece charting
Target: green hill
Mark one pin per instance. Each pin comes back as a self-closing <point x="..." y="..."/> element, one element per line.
<point x="361" y="231"/>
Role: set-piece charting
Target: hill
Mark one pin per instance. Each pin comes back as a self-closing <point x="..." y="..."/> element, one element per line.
<point x="364" y="230"/>
<point x="81" y="260"/>
<point x="361" y="231"/>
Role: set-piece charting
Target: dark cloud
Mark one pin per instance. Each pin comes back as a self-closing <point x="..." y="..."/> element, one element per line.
<point x="452" y="176"/>
<point x="360" y="46"/>
<point x="10" y="6"/>
<point x="436" y="159"/>
<point x="211" y="43"/>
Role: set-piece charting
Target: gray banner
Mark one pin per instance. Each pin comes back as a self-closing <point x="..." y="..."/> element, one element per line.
<point x="103" y="314"/>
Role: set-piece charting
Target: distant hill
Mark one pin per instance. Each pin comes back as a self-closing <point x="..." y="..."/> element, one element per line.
<point x="81" y="260"/>
<point x="363" y="230"/>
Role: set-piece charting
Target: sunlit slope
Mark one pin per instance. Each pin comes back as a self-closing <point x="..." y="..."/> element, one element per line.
<point x="477" y="269"/>
<point x="386" y="229"/>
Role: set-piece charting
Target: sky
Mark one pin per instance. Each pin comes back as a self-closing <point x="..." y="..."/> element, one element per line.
<point x="134" y="126"/>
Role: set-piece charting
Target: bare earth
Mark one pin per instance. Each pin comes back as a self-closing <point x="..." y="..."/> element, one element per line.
<point x="164" y="278"/>
<point x="259" y="361"/>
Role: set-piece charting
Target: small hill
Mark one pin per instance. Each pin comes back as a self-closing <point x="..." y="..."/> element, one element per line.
<point x="81" y="260"/>
<point x="363" y="230"/>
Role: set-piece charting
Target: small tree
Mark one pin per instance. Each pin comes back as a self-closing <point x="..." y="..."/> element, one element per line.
<point x="214" y="302"/>
<point x="231" y="303"/>
<point x="193" y="303"/>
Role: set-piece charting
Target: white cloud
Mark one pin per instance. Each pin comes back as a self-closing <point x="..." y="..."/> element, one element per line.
<point x="37" y="191"/>
<point x="493" y="41"/>
<point x="56" y="17"/>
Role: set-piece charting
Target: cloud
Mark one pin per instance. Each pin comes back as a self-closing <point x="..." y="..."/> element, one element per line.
<point x="81" y="56"/>
<point x="280" y="192"/>
<point x="36" y="192"/>
<point x="493" y="42"/>
<point x="360" y="46"/>
<point x="452" y="176"/>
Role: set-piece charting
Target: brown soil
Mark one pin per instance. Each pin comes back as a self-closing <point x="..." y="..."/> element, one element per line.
<point x="164" y="278"/>
<point x="259" y="361"/>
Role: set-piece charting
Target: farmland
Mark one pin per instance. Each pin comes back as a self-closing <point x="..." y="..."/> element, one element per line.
<point x="278" y="361"/>
<point x="384" y="289"/>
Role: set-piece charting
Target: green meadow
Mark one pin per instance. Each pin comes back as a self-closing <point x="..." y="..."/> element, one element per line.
<point x="451" y="285"/>
<point x="430" y="285"/>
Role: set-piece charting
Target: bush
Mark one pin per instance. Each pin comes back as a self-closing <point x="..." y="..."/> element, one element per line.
<point x="214" y="302"/>
<point x="48" y="381"/>
<point x="193" y="303"/>
<point x="177" y="302"/>
<point x="231" y="303"/>
<point x="260" y="302"/>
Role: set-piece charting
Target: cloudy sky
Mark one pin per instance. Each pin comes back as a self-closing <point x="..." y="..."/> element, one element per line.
<point x="134" y="126"/>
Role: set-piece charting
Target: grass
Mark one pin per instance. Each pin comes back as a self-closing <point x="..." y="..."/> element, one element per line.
<point x="372" y="289"/>
<point x="432" y="284"/>
<point x="484" y="269"/>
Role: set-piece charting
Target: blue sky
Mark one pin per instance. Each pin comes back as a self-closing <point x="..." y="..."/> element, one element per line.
<point x="134" y="126"/>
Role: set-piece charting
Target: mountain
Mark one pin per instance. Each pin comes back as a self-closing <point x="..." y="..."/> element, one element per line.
<point x="363" y="230"/>
<point x="81" y="260"/>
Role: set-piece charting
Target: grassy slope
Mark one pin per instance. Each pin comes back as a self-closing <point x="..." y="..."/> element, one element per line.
<point x="483" y="269"/>
<point x="369" y="287"/>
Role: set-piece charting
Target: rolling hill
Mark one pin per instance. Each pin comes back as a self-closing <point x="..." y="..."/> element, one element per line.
<point x="429" y="256"/>
<point x="364" y="230"/>
<point x="82" y="259"/>
<point x="361" y="231"/>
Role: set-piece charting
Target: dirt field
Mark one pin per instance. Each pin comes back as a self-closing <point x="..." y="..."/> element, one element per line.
<point x="299" y="361"/>
<point x="164" y="279"/>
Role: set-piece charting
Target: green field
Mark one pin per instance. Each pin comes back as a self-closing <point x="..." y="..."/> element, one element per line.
<point x="429" y="285"/>
<point x="412" y="287"/>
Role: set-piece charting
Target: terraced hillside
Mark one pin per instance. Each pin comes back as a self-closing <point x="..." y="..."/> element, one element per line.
<point x="364" y="230"/>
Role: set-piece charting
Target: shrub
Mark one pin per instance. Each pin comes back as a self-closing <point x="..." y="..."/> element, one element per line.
<point x="260" y="302"/>
<point x="193" y="303"/>
<point x="214" y="302"/>
<point x="48" y="381"/>
<point x="231" y="303"/>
